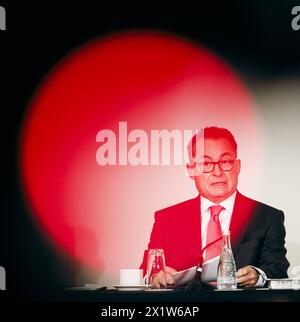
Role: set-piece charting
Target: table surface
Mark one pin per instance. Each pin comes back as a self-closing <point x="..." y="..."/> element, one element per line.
<point x="176" y="295"/>
<point x="256" y="295"/>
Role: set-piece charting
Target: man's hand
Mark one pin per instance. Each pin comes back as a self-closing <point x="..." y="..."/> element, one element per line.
<point x="247" y="276"/>
<point x="160" y="279"/>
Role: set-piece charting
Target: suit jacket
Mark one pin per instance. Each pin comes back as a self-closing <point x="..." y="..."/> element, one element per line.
<point x="257" y="236"/>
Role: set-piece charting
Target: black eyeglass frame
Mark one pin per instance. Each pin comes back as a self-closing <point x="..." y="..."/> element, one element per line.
<point x="213" y="163"/>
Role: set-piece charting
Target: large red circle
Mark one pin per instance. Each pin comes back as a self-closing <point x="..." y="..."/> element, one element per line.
<point x="102" y="215"/>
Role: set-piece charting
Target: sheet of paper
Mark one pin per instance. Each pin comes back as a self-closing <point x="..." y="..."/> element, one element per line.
<point x="184" y="276"/>
<point x="209" y="273"/>
<point x="210" y="270"/>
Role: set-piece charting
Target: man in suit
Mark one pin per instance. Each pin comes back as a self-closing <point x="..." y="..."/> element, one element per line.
<point x="184" y="230"/>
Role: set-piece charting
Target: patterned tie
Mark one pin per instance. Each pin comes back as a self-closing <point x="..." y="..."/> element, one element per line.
<point x="214" y="232"/>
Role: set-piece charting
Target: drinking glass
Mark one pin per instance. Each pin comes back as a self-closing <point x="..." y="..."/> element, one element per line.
<point x="156" y="265"/>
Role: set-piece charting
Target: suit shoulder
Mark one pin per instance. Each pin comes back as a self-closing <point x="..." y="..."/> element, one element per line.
<point x="261" y="207"/>
<point x="268" y="207"/>
<point x="179" y="209"/>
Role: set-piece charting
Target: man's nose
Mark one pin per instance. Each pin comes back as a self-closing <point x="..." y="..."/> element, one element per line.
<point x="217" y="170"/>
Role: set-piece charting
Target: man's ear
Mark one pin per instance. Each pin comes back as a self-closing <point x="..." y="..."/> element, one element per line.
<point x="193" y="170"/>
<point x="238" y="165"/>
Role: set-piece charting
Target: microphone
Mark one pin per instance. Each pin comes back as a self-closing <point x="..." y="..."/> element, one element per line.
<point x="196" y="283"/>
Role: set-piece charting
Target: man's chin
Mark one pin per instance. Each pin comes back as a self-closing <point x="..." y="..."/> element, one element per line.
<point x="220" y="193"/>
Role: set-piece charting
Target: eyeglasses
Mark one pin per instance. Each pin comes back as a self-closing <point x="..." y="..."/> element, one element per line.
<point x="209" y="166"/>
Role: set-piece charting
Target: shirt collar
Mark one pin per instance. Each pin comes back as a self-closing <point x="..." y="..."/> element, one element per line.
<point x="227" y="203"/>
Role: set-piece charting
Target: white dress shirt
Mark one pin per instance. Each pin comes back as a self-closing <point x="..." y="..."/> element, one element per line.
<point x="224" y="218"/>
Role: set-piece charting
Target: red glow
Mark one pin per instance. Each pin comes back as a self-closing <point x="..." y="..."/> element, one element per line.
<point x="103" y="215"/>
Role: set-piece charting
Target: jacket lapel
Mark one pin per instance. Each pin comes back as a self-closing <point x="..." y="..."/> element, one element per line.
<point x="194" y="231"/>
<point x="242" y="212"/>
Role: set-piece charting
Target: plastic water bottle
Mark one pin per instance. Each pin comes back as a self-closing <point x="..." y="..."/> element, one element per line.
<point x="226" y="269"/>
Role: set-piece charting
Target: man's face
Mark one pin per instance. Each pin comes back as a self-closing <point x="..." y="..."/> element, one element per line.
<point x="217" y="185"/>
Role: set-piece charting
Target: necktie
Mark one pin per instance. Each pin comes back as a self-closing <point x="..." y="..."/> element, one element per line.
<point x="214" y="233"/>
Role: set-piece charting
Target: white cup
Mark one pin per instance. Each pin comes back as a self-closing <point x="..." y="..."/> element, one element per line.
<point x="131" y="276"/>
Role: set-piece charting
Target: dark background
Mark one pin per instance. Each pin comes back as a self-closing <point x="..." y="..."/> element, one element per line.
<point x="255" y="37"/>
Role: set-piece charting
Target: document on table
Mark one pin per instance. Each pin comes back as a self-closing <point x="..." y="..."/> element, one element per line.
<point x="184" y="276"/>
<point x="209" y="273"/>
<point x="210" y="270"/>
